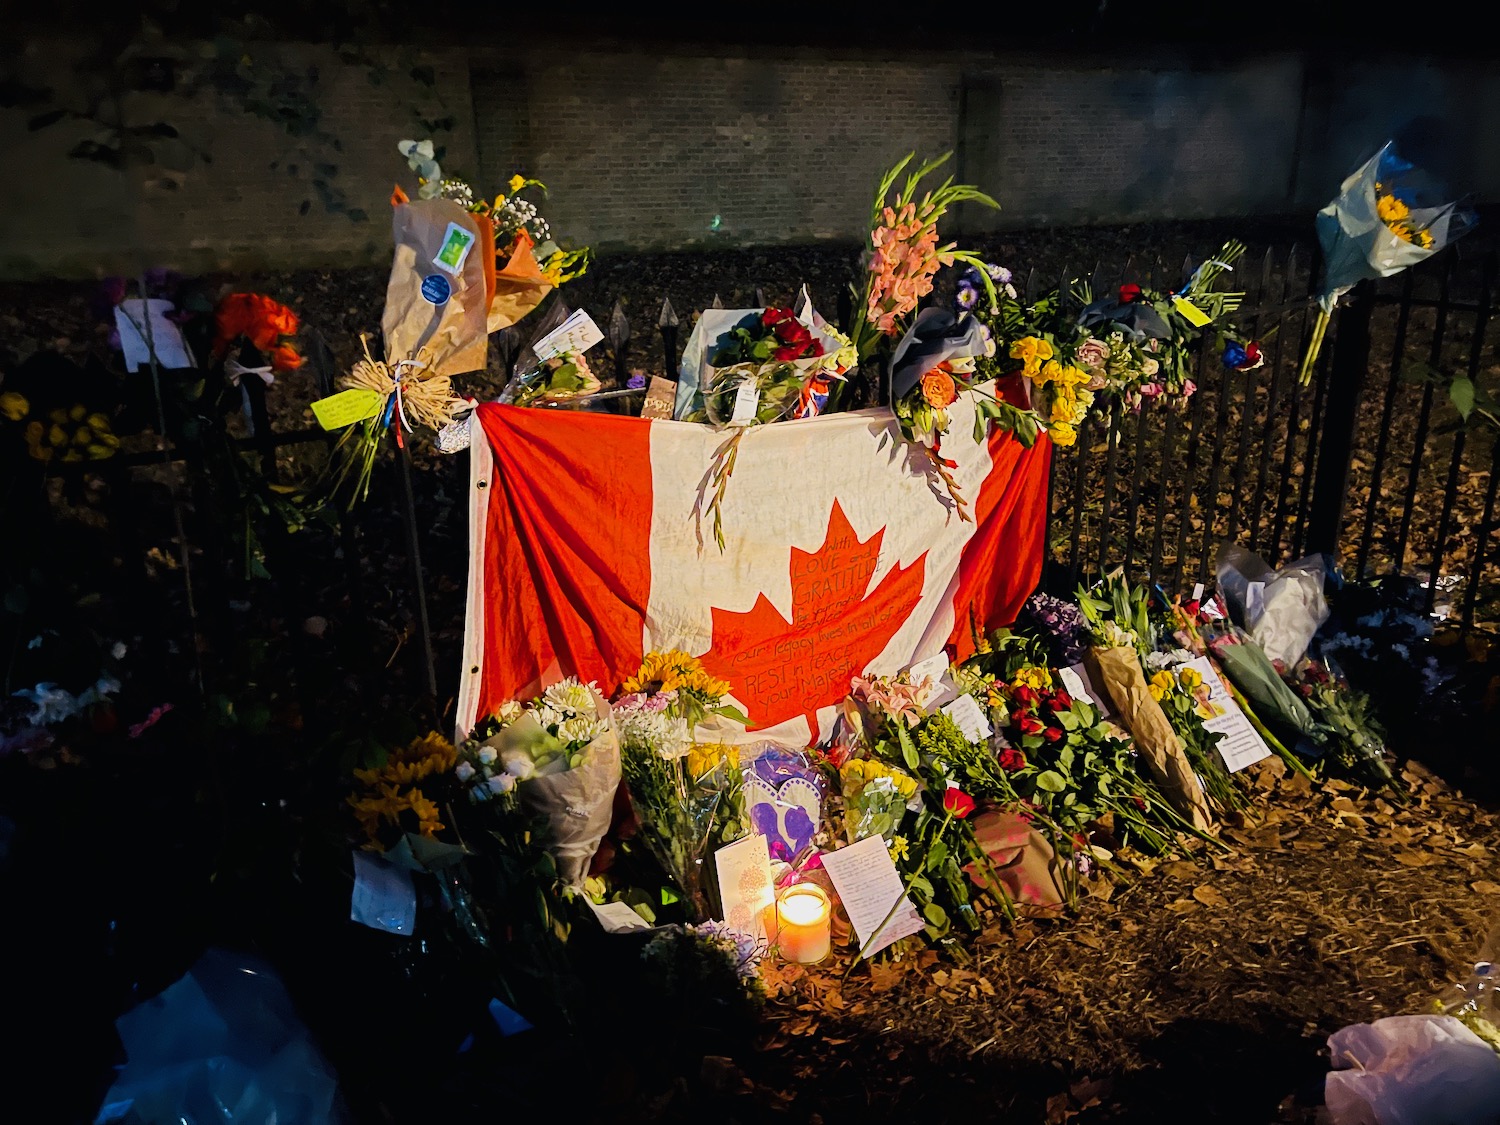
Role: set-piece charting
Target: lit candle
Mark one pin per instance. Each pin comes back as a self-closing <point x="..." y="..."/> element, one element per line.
<point x="803" y="915"/>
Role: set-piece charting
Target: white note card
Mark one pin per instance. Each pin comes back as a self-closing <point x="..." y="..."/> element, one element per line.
<point x="746" y="403"/>
<point x="1076" y="679"/>
<point x="869" y="885"/>
<point x="131" y="319"/>
<point x="1242" y="744"/>
<point x="745" y="890"/>
<point x="935" y="670"/>
<point x="577" y="335"/>
<point x="617" y="917"/>
<point x="969" y="717"/>
<point x="384" y="898"/>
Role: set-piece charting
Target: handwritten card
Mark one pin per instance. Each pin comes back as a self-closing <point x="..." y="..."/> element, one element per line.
<point x="869" y="885"/>
<point x="384" y="898"/>
<point x="131" y="318"/>
<point x="1241" y="745"/>
<point x="659" y="396"/>
<point x="745" y="890"/>
<point x="347" y="407"/>
<point x="969" y="718"/>
<point x="577" y="335"/>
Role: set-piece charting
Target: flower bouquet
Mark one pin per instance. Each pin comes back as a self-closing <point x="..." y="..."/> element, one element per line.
<point x="556" y="379"/>
<point x="1067" y="771"/>
<point x="398" y="804"/>
<point x="462" y="268"/>
<point x="1123" y="635"/>
<point x="1134" y="345"/>
<point x="1355" y="741"/>
<point x="1279" y="715"/>
<point x="875" y="798"/>
<point x="1381" y="222"/>
<point x="934" y="751"/>
<point x="1182" y="695"/>
<point x="684" y="797"/>
<point x="743" y="368"/>
<point x="563" y="756"/>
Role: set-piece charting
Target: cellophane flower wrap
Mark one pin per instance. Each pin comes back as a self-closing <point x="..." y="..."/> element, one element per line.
<point x="686" y="796"/>
<point x="563" y="752"/>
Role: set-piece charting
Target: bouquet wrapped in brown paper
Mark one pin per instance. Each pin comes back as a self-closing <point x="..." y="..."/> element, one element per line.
<point x="1118" y="669"/>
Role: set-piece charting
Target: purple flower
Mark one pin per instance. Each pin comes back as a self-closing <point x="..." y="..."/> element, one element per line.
<point x="1064" y="622"/>
<point x="999" y="275"/>
<point x="966" y="298"/>
<point x="636" y="381"/>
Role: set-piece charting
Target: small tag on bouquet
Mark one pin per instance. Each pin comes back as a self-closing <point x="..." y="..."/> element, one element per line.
<point x="577" y="335"/>
<point x="746" y="403"/>
<point x="347" y="407"/>
<point x="1191" y="312"/>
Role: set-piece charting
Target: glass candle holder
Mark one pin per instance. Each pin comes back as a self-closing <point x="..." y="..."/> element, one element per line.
<point x="803" y="923"/>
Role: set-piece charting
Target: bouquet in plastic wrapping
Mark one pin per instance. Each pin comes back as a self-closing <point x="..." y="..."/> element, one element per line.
<point x="875" y="798"/>
<point x="685" y="796"/>
<point x="1385" y="219"/>
<point x="561" y="755"/>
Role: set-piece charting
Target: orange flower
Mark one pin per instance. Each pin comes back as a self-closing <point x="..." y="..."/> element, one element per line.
<point x="938" y="388"/>
<point x="284" y="357"/>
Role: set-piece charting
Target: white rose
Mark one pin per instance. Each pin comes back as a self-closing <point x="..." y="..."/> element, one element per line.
<point x="502" y="784"/>
<point x="517" y="764"/>
<point x="464" y="771"/>
<point x="487" y="754"/>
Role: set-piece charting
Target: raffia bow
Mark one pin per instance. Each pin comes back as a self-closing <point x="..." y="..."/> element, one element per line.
<point x="411" y="396"/>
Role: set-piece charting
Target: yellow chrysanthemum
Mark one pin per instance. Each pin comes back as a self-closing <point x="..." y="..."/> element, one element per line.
<point x="13" y="405"/>
<point x="1062" y="434"/>
<point x="704" y="759"/>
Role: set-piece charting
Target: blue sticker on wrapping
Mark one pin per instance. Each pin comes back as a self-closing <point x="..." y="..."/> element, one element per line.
<point x="436" y="289"/>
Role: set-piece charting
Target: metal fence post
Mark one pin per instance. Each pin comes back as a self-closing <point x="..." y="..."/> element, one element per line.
<point x="414" y="557"/>
<point x="1346" y="379"/>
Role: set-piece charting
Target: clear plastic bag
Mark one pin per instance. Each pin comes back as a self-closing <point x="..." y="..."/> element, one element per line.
<point x="222" y="1044"/>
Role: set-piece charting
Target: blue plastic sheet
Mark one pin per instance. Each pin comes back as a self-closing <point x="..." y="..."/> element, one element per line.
<point x="221" y="1045"/>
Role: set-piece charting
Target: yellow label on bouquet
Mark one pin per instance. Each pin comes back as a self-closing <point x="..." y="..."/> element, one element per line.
<point x="347" y="407"/>
<point x="1195" y="316"/>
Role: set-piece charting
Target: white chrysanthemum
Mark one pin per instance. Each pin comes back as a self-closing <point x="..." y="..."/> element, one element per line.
<point x="509" y="712"/>
<point x="653" y="730"/>
<point x="580" y="729"/>
<point x="550" y="717"/>
<point x="569" y="695"/>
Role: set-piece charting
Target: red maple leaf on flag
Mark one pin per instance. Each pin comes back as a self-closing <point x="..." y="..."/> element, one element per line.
<point x="779" y="669"/>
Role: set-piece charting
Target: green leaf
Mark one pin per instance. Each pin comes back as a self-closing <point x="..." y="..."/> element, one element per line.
<point x="1051" y="781"/>
<point x="936" y="855"/>
<point x="936" y="915"/>
<point x="729" y="711"/>
<point x="1461" y="391"/>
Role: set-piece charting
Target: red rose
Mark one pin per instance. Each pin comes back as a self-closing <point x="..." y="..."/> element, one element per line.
<point x="957" y="803"/>
<point x="1061" y="700"/>
<point x="1252" y="353"/>
<point x="1130" y="293"/>
<point x="791" y="351"/>
<point x="772" y="317"/>
<point x="1052" y="734"/>
<point x="1140" y="803"/>
<point x="1012" y="760"/>
<point x="1026" y="695"/>
<point x="1028" y="725"/>
<point x="792" y="332"/>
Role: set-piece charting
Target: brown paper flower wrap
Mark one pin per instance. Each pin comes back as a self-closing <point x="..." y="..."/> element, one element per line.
<point x="1118" y="669"/>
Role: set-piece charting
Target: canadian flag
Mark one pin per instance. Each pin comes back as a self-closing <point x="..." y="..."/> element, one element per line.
<point x="591" y="543"/>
